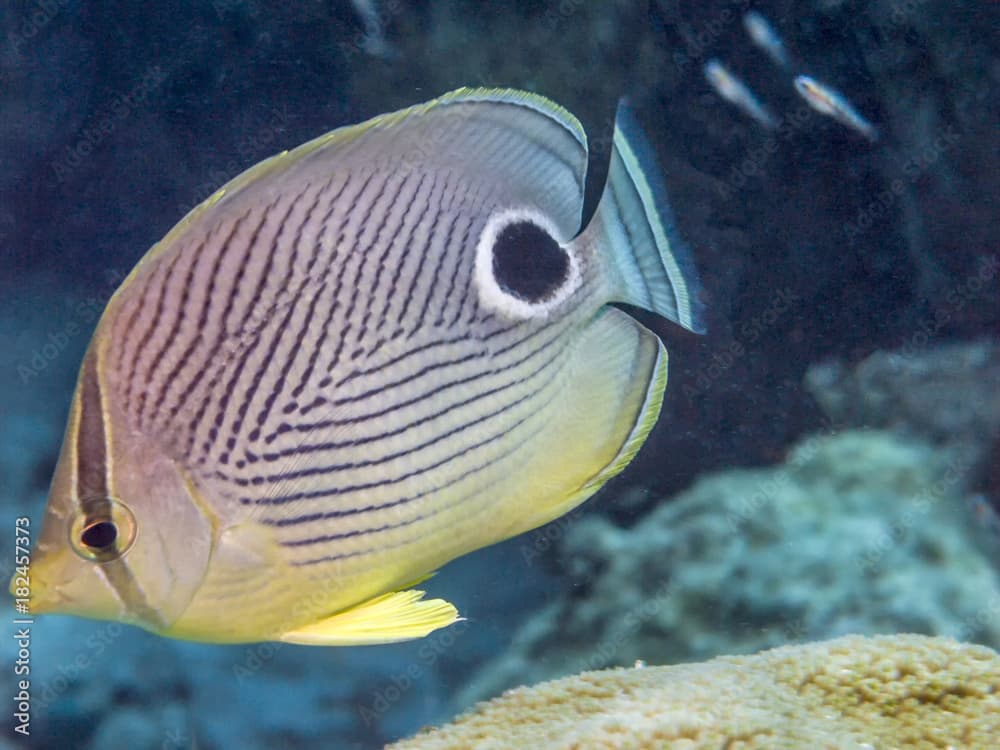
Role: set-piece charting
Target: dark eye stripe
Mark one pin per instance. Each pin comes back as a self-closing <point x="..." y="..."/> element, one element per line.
<point x="91" y="451"/>
<point x="93" y="492"/>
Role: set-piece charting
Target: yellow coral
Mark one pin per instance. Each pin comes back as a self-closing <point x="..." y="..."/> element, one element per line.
<point x="904" y="692"/>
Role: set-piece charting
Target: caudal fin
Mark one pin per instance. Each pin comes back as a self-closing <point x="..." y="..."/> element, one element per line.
<point x="634" y="226"/>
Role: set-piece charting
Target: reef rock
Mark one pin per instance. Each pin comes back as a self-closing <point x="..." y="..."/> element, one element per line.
<point x="949" y="395"/>
<point x="902" y="691"/>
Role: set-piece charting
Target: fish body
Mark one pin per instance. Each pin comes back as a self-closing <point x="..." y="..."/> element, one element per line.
<point x="764" y="36"/>
<point x="734" y="91"/>
<point x="831" y="103"/>
<point x="356" y="362"/>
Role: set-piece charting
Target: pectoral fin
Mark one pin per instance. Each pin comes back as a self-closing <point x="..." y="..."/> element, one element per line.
<point x="397" y="616"/>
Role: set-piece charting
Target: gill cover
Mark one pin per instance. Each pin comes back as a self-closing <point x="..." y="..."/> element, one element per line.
<point x="124" y="536"/>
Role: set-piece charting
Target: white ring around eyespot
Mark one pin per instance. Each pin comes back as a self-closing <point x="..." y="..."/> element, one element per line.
<point x="496" y="299"/>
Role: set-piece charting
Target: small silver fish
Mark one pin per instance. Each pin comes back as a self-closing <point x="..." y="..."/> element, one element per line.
<point x="373" y="41"/>
<point x="355" y="362"/>
<point x="827" y="101"/>
<point x="734" y="91"/>
<point x="763" y="35"/>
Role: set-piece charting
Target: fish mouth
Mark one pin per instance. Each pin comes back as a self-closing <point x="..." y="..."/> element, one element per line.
<point x="57" y="584"/>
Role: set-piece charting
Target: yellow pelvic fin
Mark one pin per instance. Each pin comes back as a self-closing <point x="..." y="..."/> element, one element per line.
<point x="396" y="616"/>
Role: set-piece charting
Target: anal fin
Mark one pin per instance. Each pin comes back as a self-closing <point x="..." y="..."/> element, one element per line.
<point x="392" y="617"/>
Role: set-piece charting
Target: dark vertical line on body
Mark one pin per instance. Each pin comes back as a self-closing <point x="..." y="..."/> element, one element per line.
<point x="437" y="273"/>
<point x="172" y="337"/>
<point x="262" y="282"/>
<point x="220" y="337"/>
<point x="91" y="450"/>
<point x="372" y="291"/>
<point x="211" y="357"/>
<point x="144" y="339"/>
<point x="424" y="252"/>
<point x="203" y="321"/>
<point x="334" y="246"/>
<point x="352" y="286"/>
<point x="459" y="267"/>
<point x="343" y="262"/>
<point x="126" y="335"/>
<point x="213" y="431"/>
<point x="405" y="242"/>
<point x="92" y="490"/>
<point x="195" y="341"/>
<point x="306" y="323"/>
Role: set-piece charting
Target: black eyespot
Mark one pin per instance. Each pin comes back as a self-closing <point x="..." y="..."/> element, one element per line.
<point x="99" y="535"/>
<point x="528" y="263"/>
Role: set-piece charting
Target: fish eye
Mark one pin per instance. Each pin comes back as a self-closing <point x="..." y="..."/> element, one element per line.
<point x="522" y="269"/>
<point x="99" y="535"/>
<point x="103" y="530"/>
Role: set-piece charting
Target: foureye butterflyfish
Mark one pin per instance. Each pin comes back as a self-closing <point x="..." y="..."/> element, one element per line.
<point x="355" y="362"/>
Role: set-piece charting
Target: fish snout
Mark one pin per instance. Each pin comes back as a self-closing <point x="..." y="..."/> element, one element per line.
<point x="60" y="582"/>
